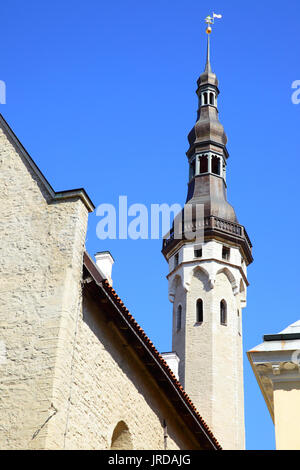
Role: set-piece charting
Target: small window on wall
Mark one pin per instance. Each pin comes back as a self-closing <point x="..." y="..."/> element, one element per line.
<point x="211" y="99"/>
<point x="203" y="164"/>
<point x="205" y="98"/>
<point x="198" y="252"/>
<point x="223" y="313"/>
<point x="226" y="253"/>
<point x="176" y="260"/>
<point x="178" y="317"/>
<point x="199" y="311"/>
<point x="215" y="165"/>
<point x="239" y="323"/>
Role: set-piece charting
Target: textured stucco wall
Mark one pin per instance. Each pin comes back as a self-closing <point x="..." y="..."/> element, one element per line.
<point x="111" y="385"/>
<point x="41" y="253"/>
<point x="211" y="356"/>
<point x="67" y="378"/>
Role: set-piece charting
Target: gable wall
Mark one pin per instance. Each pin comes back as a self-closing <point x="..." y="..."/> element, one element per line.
<point x="41" y="251"/>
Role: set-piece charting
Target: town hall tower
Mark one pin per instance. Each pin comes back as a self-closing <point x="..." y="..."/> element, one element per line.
<point x="208" y="281"/>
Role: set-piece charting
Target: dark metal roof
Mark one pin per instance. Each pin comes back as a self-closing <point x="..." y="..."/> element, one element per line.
<point x="281" y="337"/>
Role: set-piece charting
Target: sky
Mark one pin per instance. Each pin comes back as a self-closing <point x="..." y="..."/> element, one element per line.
<point x="102" y="95"/>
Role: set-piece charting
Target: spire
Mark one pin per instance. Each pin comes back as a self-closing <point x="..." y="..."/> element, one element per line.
<point x="208" y="66"/>
<point x="207" y="153"/>
<point x="207" y="158"/>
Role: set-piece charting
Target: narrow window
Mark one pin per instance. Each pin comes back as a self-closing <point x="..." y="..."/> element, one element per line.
<point x="204" y="164"/>
<point x="211" y="99"/>
<point x="223" y="313"/>
<point x="239" y="323"/>
<point x="205" y="98"/>
<point x="225" y="253"/>
<point x="193" y="169"/>
<point x="215" y="165"/>
<point x="224" y="171"/>
<point x="199" y="313"/>
<point x="178" y="317"/>
<point x="198" y="252"/>
<point x="176" y="260"/>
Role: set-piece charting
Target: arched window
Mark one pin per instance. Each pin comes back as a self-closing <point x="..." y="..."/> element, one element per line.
<point x="215" y="165"/>
<point x="121" y="438"/>
<point x="205" y="98"/>
<point x="178" y="317"/>
<point x="199" y="311"/>
<point x="211" y="99"/>
<point x="203" y="164"/>
<point x="223" y="312"/>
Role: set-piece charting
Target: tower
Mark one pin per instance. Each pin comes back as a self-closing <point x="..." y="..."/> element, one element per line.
<point x="208" y="281"/>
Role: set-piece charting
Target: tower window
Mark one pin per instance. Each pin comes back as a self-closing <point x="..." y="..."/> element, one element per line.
<point x="211" y="99"/>
<point x="192" y="169"/>
<point x="239" y="323"/>
<point x="176" y="260"/>
<point x="198" y="252"/>
<point x="226" y="253"/>
<point x="215" y="165"/>
<point x="204" y="164"/>
<point x="178" y="317"/>
<point x="205" y="98"/>
<point x="199" y="311"/>
<point x="223" y="312"/>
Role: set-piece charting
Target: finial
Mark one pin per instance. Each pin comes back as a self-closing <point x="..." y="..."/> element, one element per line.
<point x="209" y="20"/>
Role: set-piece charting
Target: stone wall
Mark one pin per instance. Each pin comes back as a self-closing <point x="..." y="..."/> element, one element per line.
<point x="68" y="379"/>
<point x="211" y="356"/>
<point x="41" y="250"/>
<point x="110" y="385"/>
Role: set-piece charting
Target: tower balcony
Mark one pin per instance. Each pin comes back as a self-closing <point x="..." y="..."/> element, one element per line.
<point x="217" y="228"/>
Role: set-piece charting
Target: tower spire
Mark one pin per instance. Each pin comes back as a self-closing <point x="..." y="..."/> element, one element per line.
<point x="207" y="65"/>
<point x="208" y="280"/>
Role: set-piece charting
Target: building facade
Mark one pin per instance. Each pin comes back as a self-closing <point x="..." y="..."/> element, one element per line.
<point x="276" y="365"/>
<point x="76" y="370"/>
<point x="208" y="279"/>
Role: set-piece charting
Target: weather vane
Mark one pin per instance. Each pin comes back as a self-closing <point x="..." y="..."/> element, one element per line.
<point x="209" y="20"/>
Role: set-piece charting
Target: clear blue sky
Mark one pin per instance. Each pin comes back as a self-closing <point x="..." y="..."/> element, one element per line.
<point x="102" y="95"/>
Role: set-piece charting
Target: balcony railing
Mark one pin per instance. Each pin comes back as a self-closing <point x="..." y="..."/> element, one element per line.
<point x="215" y="223"/>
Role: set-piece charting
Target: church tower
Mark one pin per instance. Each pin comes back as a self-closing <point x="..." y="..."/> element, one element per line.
<point x="208" y="281"/>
